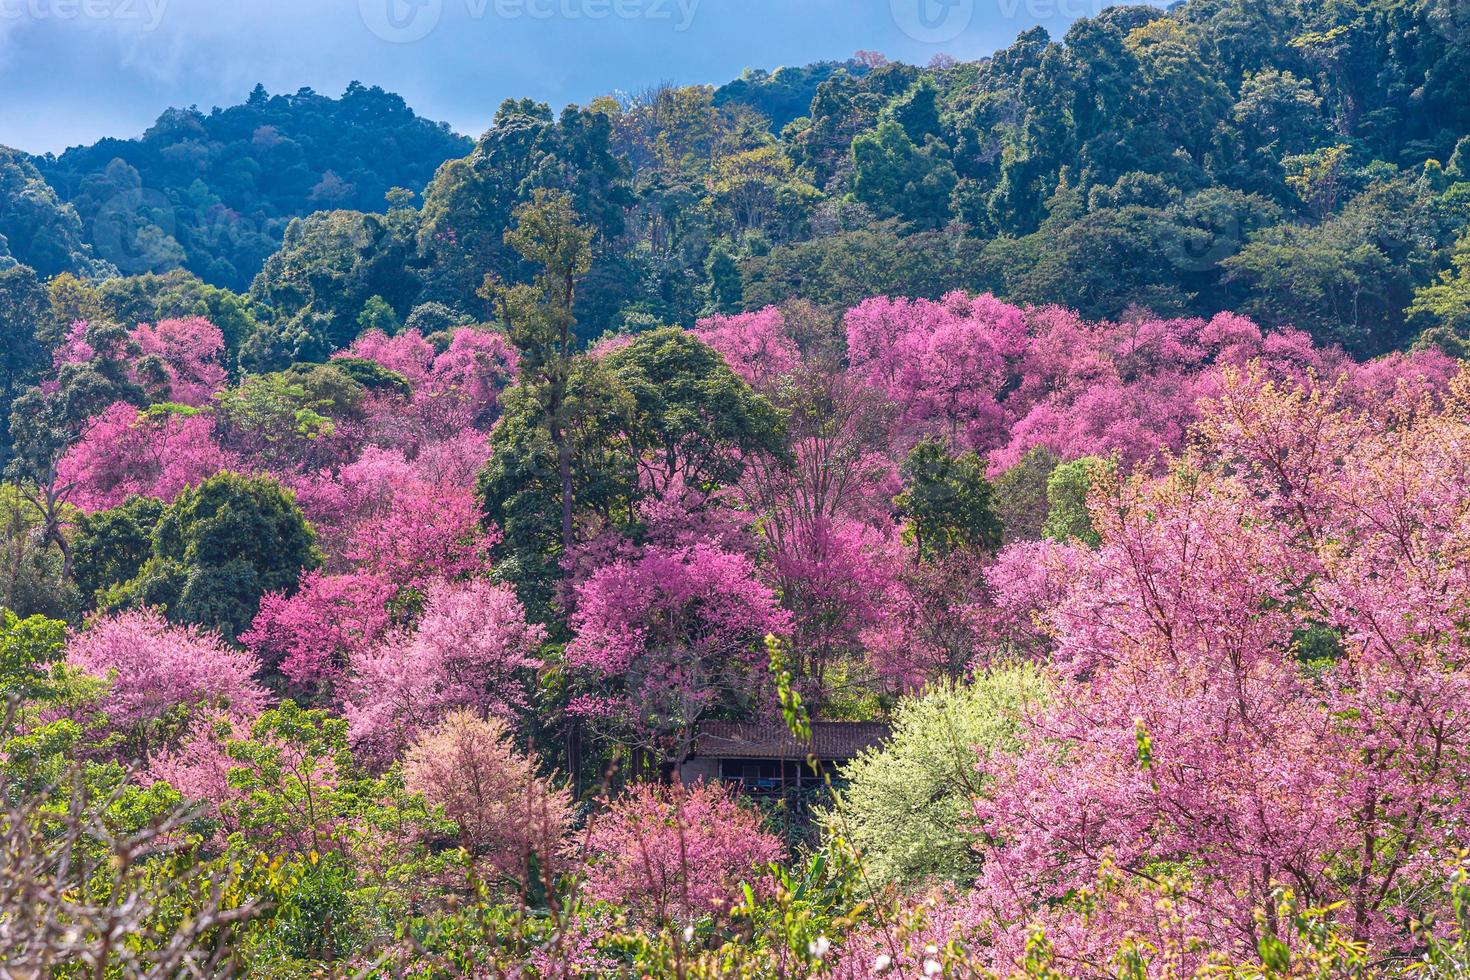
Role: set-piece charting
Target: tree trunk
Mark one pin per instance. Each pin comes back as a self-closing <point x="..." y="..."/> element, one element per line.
<point x="564" y="470"/>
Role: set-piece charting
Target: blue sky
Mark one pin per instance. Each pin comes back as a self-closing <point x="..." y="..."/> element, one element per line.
<point x="72" y="71"/>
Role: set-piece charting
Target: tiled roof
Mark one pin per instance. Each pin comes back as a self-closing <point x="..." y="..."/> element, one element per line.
<point x="773" y="740"/>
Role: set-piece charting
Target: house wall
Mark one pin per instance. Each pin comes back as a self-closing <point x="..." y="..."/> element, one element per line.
<point x="699" y="769"/>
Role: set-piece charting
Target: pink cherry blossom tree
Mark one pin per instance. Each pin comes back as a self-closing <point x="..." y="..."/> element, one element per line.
<point x="506" y="811"/>
<point x="189" y="352"/>
<point x="671" y="854"/>
<point x="153" y="453"/>
<point x="660" y="639"/>
<point x="402" y="520"/>
<point x="452" y="391"/>
<point x="471" y="649"/>
<point x="755" y="345"/>
<point x="155" y="668"/>
<point x="311" y="635"/>
<point x="1259" y="676"/>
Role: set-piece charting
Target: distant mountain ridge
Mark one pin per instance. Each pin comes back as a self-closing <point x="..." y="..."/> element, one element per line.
<point x="1306" y="164"/>
<point x="221" y="186"/>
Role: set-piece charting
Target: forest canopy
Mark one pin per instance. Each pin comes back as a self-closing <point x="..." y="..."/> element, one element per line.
<point x="989" y="519"/>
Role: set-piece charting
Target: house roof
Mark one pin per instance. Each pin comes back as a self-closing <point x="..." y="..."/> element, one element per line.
<point x="773" y="740"/>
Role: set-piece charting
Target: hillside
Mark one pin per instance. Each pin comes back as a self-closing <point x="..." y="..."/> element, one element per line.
<point x="212" y="192"/>
<point x="994" y="519"/>
<point x="1303" y="165"/>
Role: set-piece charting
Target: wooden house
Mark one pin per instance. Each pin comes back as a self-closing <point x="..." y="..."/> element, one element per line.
<point x="764" y="757"/>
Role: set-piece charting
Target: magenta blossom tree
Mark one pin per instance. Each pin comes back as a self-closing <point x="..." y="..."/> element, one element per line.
<point x="311" y="635"/>
<point x="755" y="345"/>
<point x="402" y="520"/>
<point x="471" y="649"/>
<point x="661" y="639"/>
<point x="157" y="453"/>
<point x="155" y="668"/>
<point x="452" y="391"/>
<point x="1260" y="679"/>
<point x="672" y="854"/>
<point x="190" y="352"/>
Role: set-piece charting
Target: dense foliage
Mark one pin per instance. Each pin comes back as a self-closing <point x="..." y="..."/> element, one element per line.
<point x="213" y="192"/>
<point x="1087" y="416"/>
<point x="1303" y="166"/>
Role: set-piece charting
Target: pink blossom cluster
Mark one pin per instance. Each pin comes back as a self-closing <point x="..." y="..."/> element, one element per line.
<point x="1003" y="379"/>
<point x="154" y="668"/>
<point x="1259" y="684"/>
<point x="671" y="854"/>
<point x="469" y="650"/>
<point x="452" y="391"/>
<point x="126" y="452"/>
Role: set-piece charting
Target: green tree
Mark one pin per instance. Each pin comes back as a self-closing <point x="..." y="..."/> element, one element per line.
<point x="539" y="319"/>
<point x="31" y="651"/>
<point x="318" y="283"/>
<point x="218" y="548"/>
<point x="1020" y="495"/>
<point x="1066" y="494"/>
<point x="1348" y="279"/>
<point x="471" y="201"/>
<point x="906" y="803"/>
<point x="32" y="579"/>
<point x="723" y="273"/>
<point x="110" y="546"/>
<point x="897" y="177"/>
<point x="37" y="228"/>
<point x="1442" y="311"/>
<point x="949" y="503"/>
<point x="521" y="491"/>
<point x="917" y="111"/>
<point x="287" y="418"/>
<point x="693" y="420"/>
<point x="378" y="315"/>
<point x="24" y="309"/>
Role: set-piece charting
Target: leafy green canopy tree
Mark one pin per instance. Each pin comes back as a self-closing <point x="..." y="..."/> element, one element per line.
<point x="1020" y="495"/>
<point x="906" y="804"/>
<point x="949" y="502"/>
<point x="330" y="268"/>
<point x="1066" y="494"/>
<point x="1442" y="310"/>
<point x="693" y="420"/>
<point x="471" y="201"/>
<point x="36" y="227"/>
<point x="663" y="414"/>
<point x="109" y="547"/>
<point x="32" y="577"/>
<point x="521" y="489"/>
<point x="539" y="319"/>
<point x="31" y="650"/>
<point x="899" y="177"/>
<point x="24" y="308"/>
<point x="218" y="548"/>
